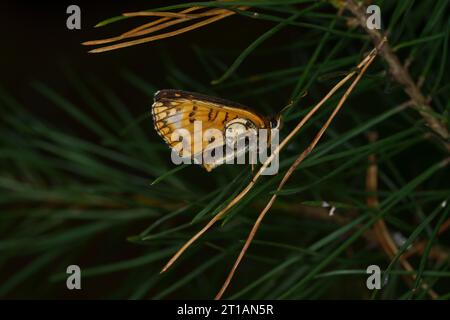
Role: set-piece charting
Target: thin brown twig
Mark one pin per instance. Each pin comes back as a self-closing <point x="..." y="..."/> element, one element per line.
<point x="320" y="213"/>
<point x="380" y="228"/>
<point x="141" y="30"/>
<point x="436" y="251"/>
<point x="134" y="34"/>
<point x="236" y="199"/>
<point x="161" y="14"/>
<point x="211" y="12"/>
<point x="291" y="170"/>
<point x="164" y="35"/>
<point x="402" y="76"/>
<point x="216" y="14"/>
<point x="149" y="24"/>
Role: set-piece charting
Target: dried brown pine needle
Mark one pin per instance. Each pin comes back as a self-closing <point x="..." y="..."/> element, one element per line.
<point x="150" y="24"/>
<point x="160" y="36"/>
<point x="138" y="31"/>
<point x="208" y="13"/>
<point x="160" y="14"/>
<point x="168" y="19"/>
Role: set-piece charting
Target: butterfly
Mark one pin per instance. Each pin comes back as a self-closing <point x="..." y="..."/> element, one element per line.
<point x="174" y="110"/>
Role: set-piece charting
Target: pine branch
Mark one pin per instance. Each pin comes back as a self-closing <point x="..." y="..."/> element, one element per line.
<point x="401" y="75"/>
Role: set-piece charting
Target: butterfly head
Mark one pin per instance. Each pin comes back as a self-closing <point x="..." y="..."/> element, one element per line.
<point x="275" y="122"/>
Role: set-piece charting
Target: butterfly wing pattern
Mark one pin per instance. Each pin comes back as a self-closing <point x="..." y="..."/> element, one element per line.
<point x="176" y="109"/>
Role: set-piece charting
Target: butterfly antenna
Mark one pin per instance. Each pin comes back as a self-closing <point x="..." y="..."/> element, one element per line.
<point x="290" y="105"/>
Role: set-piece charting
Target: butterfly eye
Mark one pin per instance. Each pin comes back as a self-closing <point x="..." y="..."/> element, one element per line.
<point x="274" y="123"/>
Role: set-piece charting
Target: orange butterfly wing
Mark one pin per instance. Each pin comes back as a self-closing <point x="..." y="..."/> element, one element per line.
<point x="176" y="109"/>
